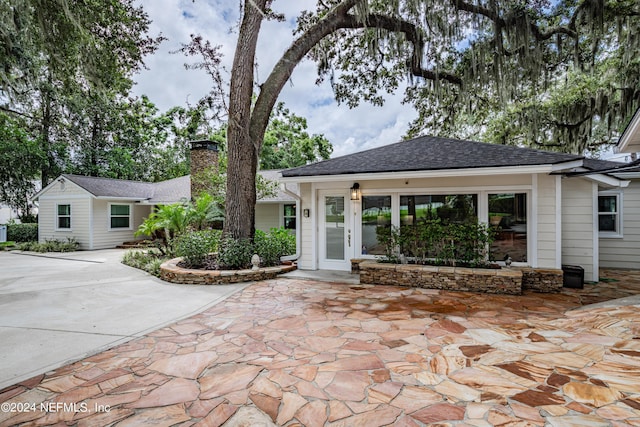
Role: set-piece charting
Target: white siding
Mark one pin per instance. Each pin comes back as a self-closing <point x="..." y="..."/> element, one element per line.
<point x="268" y="216"/>
<point x="578" y="226"/>
<point x="80" y="201"/>
<point x="624" y="252"/>
<point x="103" y="237"/>
<point x="547" y="222"/>
<point x="307" y="237"/>
<point x="545" y="228"/>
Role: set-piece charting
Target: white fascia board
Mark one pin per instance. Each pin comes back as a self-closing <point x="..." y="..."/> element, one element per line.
<point x="606" y="180"/>
<point x="630" y="140"/>
<point x="440" y="173"/>
<point x="67" y="197"/>
<point x="124" y="199"/>
<point x="40" y="194"/>
<point x="626" y="175"/>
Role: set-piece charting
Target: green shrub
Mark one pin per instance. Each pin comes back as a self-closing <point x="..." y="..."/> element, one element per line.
<point x="22" y="232"/>
<point x="274" y="245"/>
<point x="235" y="254"/>
<point x="195" y="246"/>
<point x="434" y="242"/>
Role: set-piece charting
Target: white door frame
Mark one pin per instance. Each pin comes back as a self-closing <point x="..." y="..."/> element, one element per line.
<point x="347" y="232"/>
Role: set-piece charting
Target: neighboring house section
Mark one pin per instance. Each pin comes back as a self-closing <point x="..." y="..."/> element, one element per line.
<point x="102" y="213"/>
<point x="7" y="214"/>
<point x="544" y="217"/>
<point x="97" y="212"/>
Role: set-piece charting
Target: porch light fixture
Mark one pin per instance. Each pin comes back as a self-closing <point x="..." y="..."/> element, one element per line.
<point x="355" y="191"/>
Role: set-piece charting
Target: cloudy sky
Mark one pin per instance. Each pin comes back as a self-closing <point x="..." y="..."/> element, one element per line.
<point x="168" y="83"/>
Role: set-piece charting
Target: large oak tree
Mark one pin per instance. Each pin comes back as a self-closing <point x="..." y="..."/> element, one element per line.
<point x="457" y="56"/>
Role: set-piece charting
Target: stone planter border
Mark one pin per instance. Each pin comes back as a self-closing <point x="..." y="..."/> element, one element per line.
<point x="170" y="272"/>
<point x="503" y="281"/>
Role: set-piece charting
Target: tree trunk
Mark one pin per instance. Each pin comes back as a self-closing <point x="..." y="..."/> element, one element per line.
<point x="242" y="156"/>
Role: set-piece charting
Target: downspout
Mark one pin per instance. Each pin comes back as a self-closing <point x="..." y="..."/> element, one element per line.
<point x="298" y="223"/>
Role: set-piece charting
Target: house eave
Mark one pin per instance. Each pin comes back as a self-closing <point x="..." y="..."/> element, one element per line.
<point x="124" y="199"/>
<point x="627" y="175"/>
<point x="606" y="180"/>
<point x="439" y="173"/>
<point x="630" y="140"/>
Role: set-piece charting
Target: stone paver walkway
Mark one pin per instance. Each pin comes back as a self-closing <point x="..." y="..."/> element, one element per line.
<point x="316" y="354"/>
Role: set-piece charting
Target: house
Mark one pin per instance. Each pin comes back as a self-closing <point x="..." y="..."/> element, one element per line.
<point x="619" y="208"/>
<point x="543" y="205"/>
<point x="102" y="213"/>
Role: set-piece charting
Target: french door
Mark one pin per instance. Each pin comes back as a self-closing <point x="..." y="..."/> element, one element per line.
<point x="334" y="231"/>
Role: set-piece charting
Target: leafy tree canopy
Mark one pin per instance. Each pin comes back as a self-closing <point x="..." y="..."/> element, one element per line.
<point x="559" y="75"/>
<point x="458" y="58"/>
<point x="287" y="144"/>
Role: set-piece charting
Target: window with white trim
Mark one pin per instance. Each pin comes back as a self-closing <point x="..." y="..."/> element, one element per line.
<point x="289" y="217"/>
<point x="63" y="217"/>
<point x="119" y="217"/>
<point x="609" y="213"/>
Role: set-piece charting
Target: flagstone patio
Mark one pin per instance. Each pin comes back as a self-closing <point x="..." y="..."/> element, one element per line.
<point x="303" y="352"/>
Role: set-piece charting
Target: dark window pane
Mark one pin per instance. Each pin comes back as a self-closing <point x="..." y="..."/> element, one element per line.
<point x="64" y="209"/>
<point x="120" y="210"/>
<point x="607" y="223"/>
<point x="448" y="208"/>
<point x="290" y="223"/>
<point x="64" y="222"/>
<point x="607" y="204"/>
<point x="289" y="210"/>
<point x="120" y="222"/>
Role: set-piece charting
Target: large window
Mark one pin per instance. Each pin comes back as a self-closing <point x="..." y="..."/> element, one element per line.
<point x="120" y="216"/>
<point x="290" y="217"/>
<point x="63" y="217"/>
<point x="376" y="223"/>
<point x="508" y="219"/>
<point x="609" y="214"/>
<point x="448" y="208"/>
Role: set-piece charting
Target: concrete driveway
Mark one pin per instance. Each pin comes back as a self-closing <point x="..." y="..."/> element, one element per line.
<point x="58" y="308"/>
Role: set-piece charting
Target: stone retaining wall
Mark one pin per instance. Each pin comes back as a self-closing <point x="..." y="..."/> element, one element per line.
<point x="542" y="280"/>
<point x="170" y="272"/>
<point x="504" y="281"/>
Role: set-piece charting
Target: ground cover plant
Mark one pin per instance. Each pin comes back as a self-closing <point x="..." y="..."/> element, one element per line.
<point x="149" y="260"/>
<point x="49" y="245"/>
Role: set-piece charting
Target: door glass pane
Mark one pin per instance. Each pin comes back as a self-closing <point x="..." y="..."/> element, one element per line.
<point x="376" y="223"/>
<point x="508" y="220"/>
<point x="334" y="227"/>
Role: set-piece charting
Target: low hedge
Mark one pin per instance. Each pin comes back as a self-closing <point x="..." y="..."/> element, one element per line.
<point x="22" y="232"/>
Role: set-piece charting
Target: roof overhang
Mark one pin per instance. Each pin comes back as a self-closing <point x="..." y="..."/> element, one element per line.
<point x="121" y="199"/>
<point x="440" y="173"/>
<point x="607" y="180"/>
<point x="630" y="140"/>
<point x="604" y="179"/>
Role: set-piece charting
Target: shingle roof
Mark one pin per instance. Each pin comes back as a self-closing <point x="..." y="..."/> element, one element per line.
<point x="117" y="188"/>
<point x="609" y="167"/>
<point x="430" y="153"/>
<point x="171" y="191"/>
<point x="281" y="196"/>
<point x="164" y="192"/>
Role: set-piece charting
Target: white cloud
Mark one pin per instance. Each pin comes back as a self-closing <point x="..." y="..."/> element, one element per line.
<point x="168" y="83"/>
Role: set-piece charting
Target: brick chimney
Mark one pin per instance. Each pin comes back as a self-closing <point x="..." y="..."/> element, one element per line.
<point x="204" y="157"/>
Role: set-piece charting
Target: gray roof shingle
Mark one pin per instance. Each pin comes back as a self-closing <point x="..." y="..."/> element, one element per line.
<point x="117" y="188"/>
<point x="164" y="192"/>
<point x="430" y="153"/>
